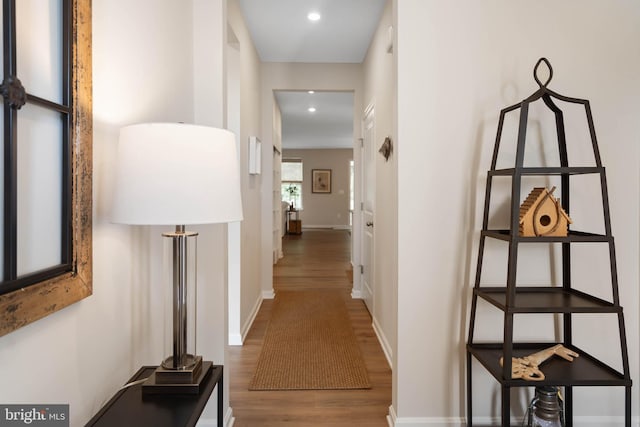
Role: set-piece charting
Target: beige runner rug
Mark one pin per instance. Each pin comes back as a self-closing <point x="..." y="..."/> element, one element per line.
<point x="310" y="345"/>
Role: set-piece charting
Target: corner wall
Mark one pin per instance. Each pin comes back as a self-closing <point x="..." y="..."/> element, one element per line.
<point x="380" y="85"/>
<point x="459" y="63"/>
<point x="250" y="125"/>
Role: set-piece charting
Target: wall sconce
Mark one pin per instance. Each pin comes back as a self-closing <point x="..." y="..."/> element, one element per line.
<point x="386" y="148"/>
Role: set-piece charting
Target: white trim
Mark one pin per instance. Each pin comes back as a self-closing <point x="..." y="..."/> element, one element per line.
<point x="384" y="343"/>
<point x="342" y="227"/>
<point x="356" y="291"/>
<point x="268" y="294"/>
<point x="426" y="421"/>
<point x="431" y="421"/>
<point x="393" y="420"/>
<point x="254" y="312"/>
<point x="235" y="340"/>
<point x="238" y="339"/>
<point x="327" y="227"/>
<point x="605" y="421"/>
<point x="228" y="421"/>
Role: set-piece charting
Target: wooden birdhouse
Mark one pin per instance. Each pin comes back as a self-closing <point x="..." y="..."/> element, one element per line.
<point x="542" y="215"/>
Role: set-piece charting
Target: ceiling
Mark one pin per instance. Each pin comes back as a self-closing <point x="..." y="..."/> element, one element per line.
<point x="281" y="32"/>
<point x="330" y="126"/>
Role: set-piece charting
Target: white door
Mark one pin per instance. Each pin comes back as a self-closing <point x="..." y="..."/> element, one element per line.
<point x="368" y="203"/>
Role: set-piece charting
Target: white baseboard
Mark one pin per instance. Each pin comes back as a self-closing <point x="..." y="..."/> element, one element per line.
<point x="238" y="339"/>
<point x="356" y="294"/>
<point x="247" y="325"/>
<point x="235" y="339"/>
<point x="341" y="227"/>
<point x="384" y="343"/>
<point x="393" y="420"/>
<point x="268" y="294"/>
<point x="578" y="421"/>
<point x="604" y="421"/>
<point x="228" y="421"/>
<point x="327" y="227"/>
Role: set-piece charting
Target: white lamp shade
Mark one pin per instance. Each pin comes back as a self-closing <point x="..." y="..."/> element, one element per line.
<point x="175" y="174"/>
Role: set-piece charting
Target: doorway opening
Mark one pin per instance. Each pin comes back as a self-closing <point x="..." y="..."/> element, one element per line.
<point x="317" y="131"/>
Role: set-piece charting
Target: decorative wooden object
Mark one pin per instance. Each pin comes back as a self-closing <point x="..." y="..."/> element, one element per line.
<point x="542" y="215"/>
<point x="527" y="368"/>
<point x="295" y="226"/>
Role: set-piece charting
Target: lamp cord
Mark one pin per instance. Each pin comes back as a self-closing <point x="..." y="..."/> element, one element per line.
<point x="132" y="383"/>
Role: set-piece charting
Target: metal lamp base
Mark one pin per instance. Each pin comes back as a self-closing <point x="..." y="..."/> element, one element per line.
<point x="173" y="381"/>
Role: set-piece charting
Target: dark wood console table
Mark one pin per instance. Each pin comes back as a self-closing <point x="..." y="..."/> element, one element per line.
<point x="129" y="408"/>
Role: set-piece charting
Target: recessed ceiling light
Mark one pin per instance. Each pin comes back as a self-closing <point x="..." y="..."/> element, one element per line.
<point x="311" y="92"/>
<point x="311" y="109"/>
<point x="313" y="16"/>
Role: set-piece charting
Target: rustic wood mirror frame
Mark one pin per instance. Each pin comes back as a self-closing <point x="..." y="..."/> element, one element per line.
<point x="26" y="305"/>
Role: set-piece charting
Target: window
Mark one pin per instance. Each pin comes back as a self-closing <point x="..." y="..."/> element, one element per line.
<point x="291" y="176"/>
<point x="46" y="161"/>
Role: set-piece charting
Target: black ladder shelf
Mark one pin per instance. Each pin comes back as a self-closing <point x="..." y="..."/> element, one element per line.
<point x="586" y="370"/>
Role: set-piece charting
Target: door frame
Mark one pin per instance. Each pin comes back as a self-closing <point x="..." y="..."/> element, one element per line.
<point x="369" y="113"/>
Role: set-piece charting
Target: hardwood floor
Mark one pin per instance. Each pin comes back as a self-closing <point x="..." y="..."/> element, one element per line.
<point x="317" y="259"/>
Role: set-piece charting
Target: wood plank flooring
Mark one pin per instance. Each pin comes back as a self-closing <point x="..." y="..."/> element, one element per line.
<point x="317" y="259"/>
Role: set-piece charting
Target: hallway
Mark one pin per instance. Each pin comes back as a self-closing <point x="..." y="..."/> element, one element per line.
<point x="317" y="259"/>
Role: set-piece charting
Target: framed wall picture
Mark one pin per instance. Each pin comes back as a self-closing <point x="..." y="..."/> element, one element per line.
<point x="321" y="181"/>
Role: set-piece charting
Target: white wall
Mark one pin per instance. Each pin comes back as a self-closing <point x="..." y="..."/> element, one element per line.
<point x="209" y="39"/>
<point x="380" y="91"/>
<point x="250" y="125"/>
<point x="298" y="76"/>
<point x="459" y="63"/>
<point x="143" y="64"/>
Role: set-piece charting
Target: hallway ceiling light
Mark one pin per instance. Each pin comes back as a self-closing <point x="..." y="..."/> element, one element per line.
<point x="311" y="92"/>
<point x="313" y="16"/>
<point x="311" y="109"/>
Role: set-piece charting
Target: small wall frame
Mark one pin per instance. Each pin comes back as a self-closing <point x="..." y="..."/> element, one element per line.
<point x="321" y="181"/>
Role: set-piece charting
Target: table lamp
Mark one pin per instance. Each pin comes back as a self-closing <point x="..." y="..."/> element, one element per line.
<point x="177" y="174"/>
